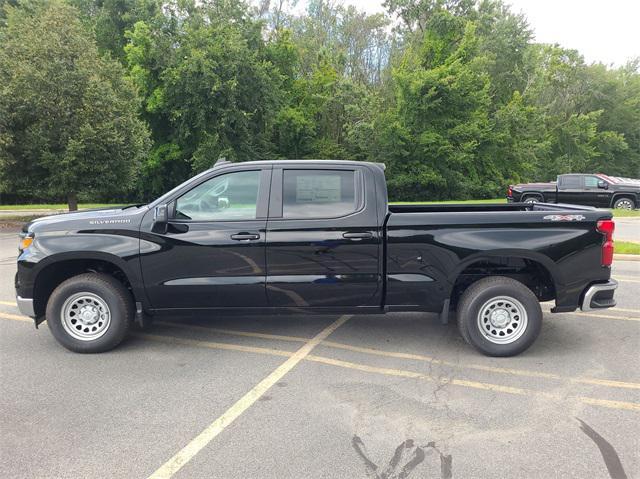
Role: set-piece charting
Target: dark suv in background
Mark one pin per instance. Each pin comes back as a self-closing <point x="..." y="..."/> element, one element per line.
<point x="597" y="190"/>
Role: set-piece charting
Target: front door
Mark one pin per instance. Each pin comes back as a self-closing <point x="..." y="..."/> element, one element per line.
<point x="594" y="194"/>
<point x="323" y="239"/>
<point x="212" y="253"/>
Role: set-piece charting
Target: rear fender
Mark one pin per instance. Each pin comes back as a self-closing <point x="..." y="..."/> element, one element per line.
<point x="554" y="271"/>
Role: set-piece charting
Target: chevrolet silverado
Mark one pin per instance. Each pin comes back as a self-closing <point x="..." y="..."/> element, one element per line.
<point x="311" y="236"/>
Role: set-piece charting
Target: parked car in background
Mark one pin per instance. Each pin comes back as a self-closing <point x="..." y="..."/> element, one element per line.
<point x="597" y="190"/>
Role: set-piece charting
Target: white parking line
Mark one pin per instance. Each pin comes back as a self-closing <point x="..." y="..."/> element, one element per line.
<point x="173" y="465"/>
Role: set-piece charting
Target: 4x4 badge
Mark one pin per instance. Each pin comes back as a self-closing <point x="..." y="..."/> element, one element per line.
<point x="564" y="217"/>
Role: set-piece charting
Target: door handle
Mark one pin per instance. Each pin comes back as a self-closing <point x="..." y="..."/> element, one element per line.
<point x="245" y="236"/>
<point x="356" y="236"/>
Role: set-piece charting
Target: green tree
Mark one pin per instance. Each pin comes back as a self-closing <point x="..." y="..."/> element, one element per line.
<point x="456" y="99"/>
<point x="110" y="19"/>
<point x="443" y="99"/>
<point x="69" y="121"/>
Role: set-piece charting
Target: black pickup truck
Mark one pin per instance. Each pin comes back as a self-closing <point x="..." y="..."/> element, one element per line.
<point x="597" y="190"/>
<point x="311" y="237"/>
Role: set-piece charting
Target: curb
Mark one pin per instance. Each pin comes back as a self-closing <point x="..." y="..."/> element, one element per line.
<point x="626" y="257"/>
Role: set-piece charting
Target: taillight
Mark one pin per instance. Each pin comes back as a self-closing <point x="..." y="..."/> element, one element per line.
<point x="606" y="227"/>
<point x="509" y="192"/>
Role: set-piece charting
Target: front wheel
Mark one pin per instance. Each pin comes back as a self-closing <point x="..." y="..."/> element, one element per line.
<point x="624" y="204"/>
<point x="90" y="313"/>
<point x="499" y="316"/>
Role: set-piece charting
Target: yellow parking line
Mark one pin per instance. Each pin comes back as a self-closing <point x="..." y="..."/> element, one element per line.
<point x="625" y="310"/>
<point x="596" y="314"/>
<point x="348" y="347"/>
<point x="183" y="456"/>
<point x="213" y="345"/>
<point x="474" y="384"/>
<point x="416" y="375"/>
<point x="420" y="357"/>
<point x="227" y="418"/>
<point x="479" y="367"/>
<point x="606" y="316"/>
<point x="9" y="303"/>
<point x="234" y="332"/>
<point x="15" y="317"/>
<point x="629" y="406"/>
<point x="627" y="280"/>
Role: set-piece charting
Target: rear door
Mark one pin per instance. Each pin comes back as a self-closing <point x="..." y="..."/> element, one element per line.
<point x="323" y="239"/>
<point x="570" y="189"/>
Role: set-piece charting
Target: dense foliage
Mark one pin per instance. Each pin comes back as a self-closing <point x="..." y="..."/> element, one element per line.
<point x="68" y="116"/>
<point x="453" y="95"/>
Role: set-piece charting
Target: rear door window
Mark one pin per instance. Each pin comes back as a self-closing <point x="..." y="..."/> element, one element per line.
<point x="571" y="181"/>
<point x="320" y="193"/>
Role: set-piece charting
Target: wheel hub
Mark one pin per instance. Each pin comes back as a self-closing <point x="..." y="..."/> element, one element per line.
<point x="85" y="316"/>
<point x="500" y="318"/>
<point x="89" y="314"/>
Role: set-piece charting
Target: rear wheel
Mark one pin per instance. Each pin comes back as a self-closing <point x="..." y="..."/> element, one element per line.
<point x="499" y="316"/>
<point x="90" y="313"/>
<point x="624" y="204"/>
<point x="531" y="199"/>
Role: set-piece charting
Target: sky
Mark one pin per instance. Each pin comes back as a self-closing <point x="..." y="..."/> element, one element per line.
<point x="606" y="31"/>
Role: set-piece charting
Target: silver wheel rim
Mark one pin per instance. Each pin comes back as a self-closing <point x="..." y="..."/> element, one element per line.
<point x="624" y="205"/>
<point x="531" y="200"/>
<point x="85" y="316"/>
<point x="502" y="320"/>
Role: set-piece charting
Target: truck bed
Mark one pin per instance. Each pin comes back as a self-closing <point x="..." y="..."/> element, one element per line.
<point x="425" y="243"/>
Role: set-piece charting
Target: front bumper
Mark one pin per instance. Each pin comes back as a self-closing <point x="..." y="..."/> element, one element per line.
<point x="599" y="295"/>
<point x="25" y="305"/>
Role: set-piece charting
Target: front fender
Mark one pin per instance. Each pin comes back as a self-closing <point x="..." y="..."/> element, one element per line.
<point x="51" y="248"/>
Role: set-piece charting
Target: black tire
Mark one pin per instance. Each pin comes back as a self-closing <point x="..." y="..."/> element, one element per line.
<point x="86" y="288"/>
<point x="624" y="203"/>
<point x="475" y="308"/>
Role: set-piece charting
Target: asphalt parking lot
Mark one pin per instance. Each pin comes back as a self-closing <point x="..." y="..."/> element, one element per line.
<point x="394" y="396"/>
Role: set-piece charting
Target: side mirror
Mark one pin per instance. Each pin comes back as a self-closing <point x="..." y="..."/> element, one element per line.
<point x="223" y="202"/>
<point x="603" y="184"/>
<point x="161" y="214"/>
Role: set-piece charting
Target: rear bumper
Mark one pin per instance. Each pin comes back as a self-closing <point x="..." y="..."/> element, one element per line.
<point x="599" y="296"/>
<point x="25" y="305"/>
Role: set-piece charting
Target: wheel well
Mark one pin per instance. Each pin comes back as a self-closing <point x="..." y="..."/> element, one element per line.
<point x="623" y="195"/>
<point x="52" y="275"/>
<point x="529" y="272"/>
<point x="527" y="195"/>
